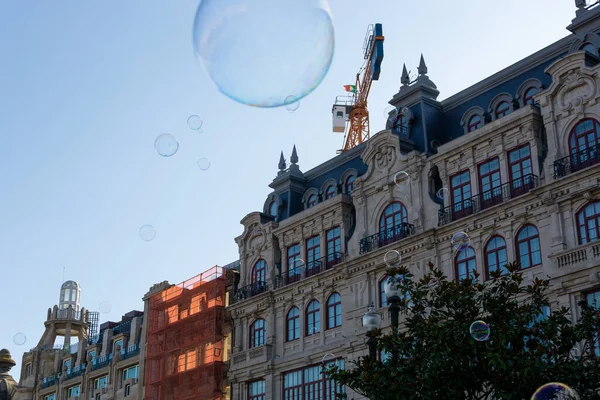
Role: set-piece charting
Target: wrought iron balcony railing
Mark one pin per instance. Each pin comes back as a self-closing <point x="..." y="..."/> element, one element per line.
<point x="487" y="199"/>
<point x="386" y="237"/>
<point x="76" y="371"/>
<point x="313" y="267"/>
<point x="50" y="381"/>
<point x="101" y="361"/>
<point x="577" y="161"/>
<point x="130" y="351"/>
<point x="251" y="290"/>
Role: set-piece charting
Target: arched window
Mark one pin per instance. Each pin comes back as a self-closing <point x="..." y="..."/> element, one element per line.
<point x="528" y="96"/>
<point x="258" y="333"/>
<point x="334" y="311"/>
<point x="584" y="135"/>
<point x="502" y="109"/>
<point x="382" y="296"/>
<point x="293" y="324"/>
<point x="474" y="123"/>
<point x="259" y="271"/>
<point x="528" y="247"/>
<point x="465" y="264"/>
<point x="495" y="255"/>
<point x="313" y="318"/>
<point x="588" y="223"/>
<point x="311" y="201"/>
<point x="330" y="192"/>
<point x="273" y="209"/>
<point x="392" y="223"/>
<point x="349" y="185"/>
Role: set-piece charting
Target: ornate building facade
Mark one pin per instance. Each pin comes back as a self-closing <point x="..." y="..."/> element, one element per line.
<point x="511" y="161"/>
<point x="98" y="365"/>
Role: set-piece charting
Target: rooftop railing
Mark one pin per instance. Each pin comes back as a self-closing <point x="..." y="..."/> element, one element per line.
<point x="385" y="237"/>
<point x="576" y="161"/>
<point x="487" y="199"/>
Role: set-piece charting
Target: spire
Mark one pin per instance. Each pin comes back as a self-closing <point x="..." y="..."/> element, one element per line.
<point x="281" y="165"/>
<point x="405" y="80"/>
<point x="294" y="157"/>
<point x="422" y="67"/>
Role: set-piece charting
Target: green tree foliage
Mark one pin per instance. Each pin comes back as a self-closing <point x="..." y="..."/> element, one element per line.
<point x="433" y="355"/>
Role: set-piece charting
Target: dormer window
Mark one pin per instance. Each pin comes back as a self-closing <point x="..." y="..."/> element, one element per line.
<point x="273" y="209"/>
<point x="528" y="96"/>
<point x="502" y="109"/>
<point x="474" y="123"/>
<point x="350" y="185"/>
<point x="330" y="192"/>
<point x="590" y="48"/>
<point x="311" y="201"/>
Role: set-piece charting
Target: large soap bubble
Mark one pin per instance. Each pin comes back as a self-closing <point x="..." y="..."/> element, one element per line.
<point x="261" y="52"/>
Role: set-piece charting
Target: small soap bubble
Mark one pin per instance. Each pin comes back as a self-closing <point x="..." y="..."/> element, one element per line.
<point x="105" y="307"/>
<point x="402" y="179"/>
<point x="392" y="259"/>
<point x="147" y="233"/>
<point x="194" y="122"/>
<point x="390" y="112"/>
<point x="298" y="265"/>
<point x="443" y="194"/>
<point x="203" y="164"/>
<point x="555" y="391"/>
<point x="327" y="359"/>
<point x="291" y="103"/>
<point x="480" y="331"/>
<point x="461" y="241"/>
<point x="166" y="145"/>
<point x="19" y="339"/>
<point x="260" y="52"/>
<point x="313" y="330"/>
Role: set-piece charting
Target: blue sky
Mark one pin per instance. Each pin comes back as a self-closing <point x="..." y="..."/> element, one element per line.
<point x="86" y="87"/>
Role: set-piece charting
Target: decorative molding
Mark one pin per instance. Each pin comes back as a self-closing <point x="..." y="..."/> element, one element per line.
<point x="381" y="153"/>
<point x="475" y="110"/>
<point x="499" y="98"/>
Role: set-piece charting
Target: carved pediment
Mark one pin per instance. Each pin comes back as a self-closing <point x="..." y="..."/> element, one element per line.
<point x="381" y="152"/>
<point x="573" y="83"/>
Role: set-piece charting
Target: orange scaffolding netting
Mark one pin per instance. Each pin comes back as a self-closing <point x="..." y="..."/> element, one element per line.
<point x="186" y="345"/>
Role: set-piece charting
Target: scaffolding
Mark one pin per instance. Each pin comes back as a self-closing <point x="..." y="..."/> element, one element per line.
<point x="186" y="343"/>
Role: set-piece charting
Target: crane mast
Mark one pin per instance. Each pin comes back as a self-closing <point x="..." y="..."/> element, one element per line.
<point x="351" y="111"/>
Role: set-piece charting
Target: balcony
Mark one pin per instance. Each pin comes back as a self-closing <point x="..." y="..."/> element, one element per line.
<point x="76" y="371"/>
<point x="577" y="161"/>
<point x="314" y="267"/>
<point x="50" y="381"/>
<point x="582" y="257"/>
<point x="130" y="351"/>
<point x="101" y="361"/>
<point x="251" y="290"/>
<point x="386" y="237"/>
<point x="487" y="199"/>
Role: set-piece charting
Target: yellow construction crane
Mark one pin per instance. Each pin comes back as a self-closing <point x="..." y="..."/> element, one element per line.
<point x="352" y="110"/>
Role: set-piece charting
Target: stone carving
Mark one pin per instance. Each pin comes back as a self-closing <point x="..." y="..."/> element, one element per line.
<point x="576" y="90"/>
<point x="385" y="158"/>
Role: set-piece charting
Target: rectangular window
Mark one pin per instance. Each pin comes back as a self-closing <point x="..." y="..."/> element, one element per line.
<point x="490" y="185"/>
<point x="101" y="382"/>
<point x="334" y="247"/>
<point x="256" y="390"/>
<point x="293" y="262"/>
<point x="460" y="193"/>
<point x="520" y="170"/>
<point x="73" y="391"/>
<point x="313" y="255"/>
<point x="51" y="396"/>
<point x="130" y="372"/>
<point x="310" y="384"/>
<point x="593" y="300"/>
<point x="27" y="370"/>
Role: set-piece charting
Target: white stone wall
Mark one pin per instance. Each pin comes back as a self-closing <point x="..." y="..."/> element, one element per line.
<point x="551" y="207"/>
